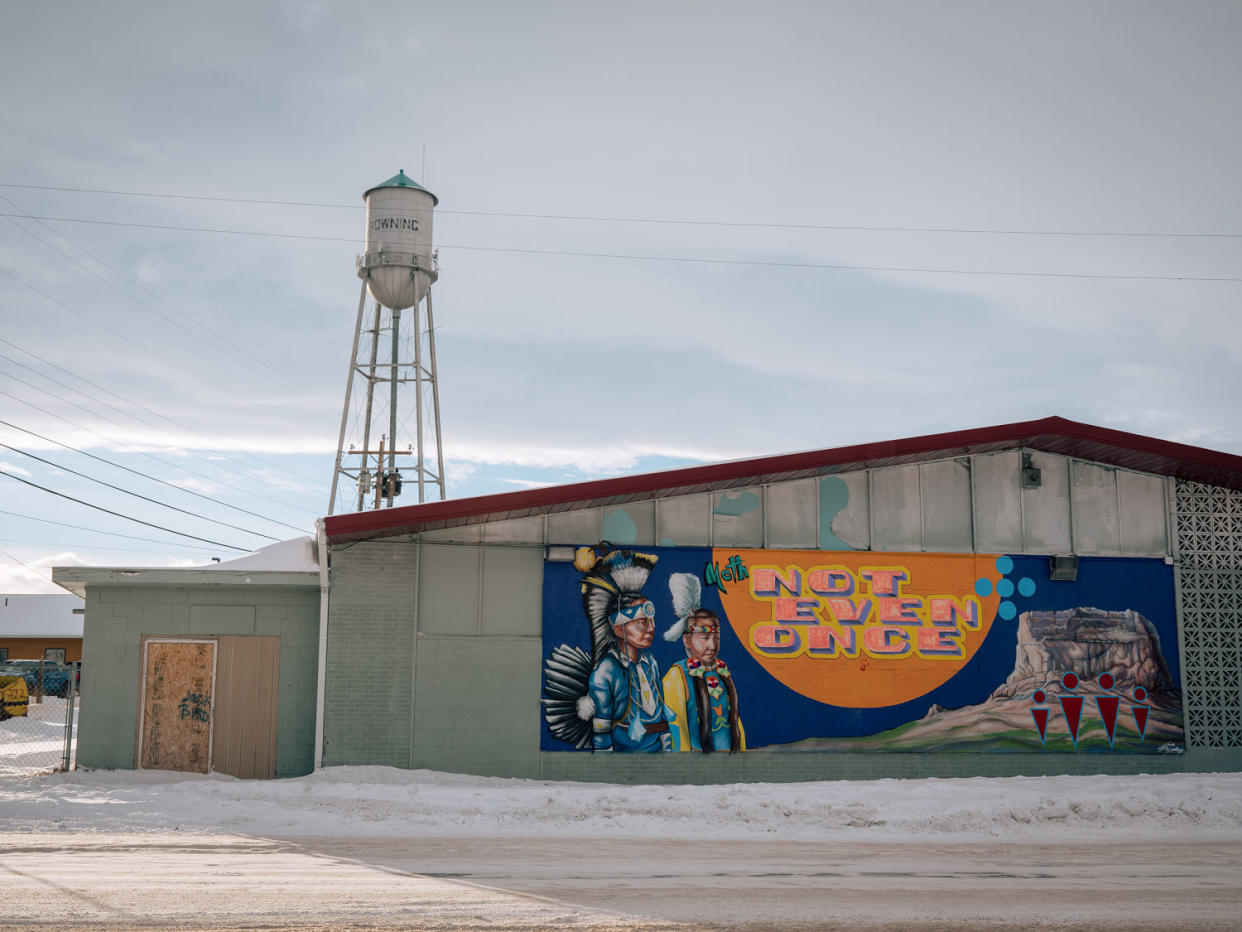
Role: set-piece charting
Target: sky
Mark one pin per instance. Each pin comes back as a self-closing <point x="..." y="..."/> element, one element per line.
<point x="668" y="234"/>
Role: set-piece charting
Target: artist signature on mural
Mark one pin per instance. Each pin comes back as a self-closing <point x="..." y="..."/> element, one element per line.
<point x="734" y="571"/>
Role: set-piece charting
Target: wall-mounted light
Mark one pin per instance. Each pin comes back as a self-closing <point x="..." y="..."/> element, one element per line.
<point x="1064" y="567"/>
<point x="560" y="553"/>
<point x="1032" y="476"/>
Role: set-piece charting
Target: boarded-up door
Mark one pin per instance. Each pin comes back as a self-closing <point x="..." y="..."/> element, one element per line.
<point x="247" y="675"/>
<point x="176" y="717"/>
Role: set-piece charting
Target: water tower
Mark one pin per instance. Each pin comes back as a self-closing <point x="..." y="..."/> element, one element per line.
<point x="388" y="362"/>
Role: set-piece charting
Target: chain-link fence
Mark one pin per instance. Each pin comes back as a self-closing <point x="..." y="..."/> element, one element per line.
<point x="38" y="717"/>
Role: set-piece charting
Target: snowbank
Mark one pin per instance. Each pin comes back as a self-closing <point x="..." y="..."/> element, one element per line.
<point x="386" y="802"/>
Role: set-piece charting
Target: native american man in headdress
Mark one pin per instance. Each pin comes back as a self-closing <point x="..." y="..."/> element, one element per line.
<point x="699" y="695"/>
<point x="610" y="700"/>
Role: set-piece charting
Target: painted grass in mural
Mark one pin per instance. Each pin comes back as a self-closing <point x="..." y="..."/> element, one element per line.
<point x="701" y="650"/>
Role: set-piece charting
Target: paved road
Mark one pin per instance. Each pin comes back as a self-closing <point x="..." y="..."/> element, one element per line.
<point x="220" y="882"/>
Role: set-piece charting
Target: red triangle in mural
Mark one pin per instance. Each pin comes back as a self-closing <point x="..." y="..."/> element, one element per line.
<point x="1072" y="707"/>
<point x="1041" y="722"/>
<point x="1140" y="719"/>
<point x="1108" y="711"/>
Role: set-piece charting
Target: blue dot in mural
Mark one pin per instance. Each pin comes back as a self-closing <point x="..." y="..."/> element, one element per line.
<point x="983" y="587"/>
<point x="1008" y="610"/>
<point x="1026" y="586"/>
<point x="1004" y="588"/>
<point x="1003" y="565"/>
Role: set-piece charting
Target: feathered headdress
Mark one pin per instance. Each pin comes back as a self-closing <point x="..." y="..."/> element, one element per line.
<point x="607" y="582"/>
<point x="687" y="594"/>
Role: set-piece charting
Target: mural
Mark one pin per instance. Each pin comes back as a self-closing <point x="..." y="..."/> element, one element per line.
<point x="703" y="650"/>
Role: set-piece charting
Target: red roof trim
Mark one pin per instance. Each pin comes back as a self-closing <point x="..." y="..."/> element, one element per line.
<point x="1052" y="434"/>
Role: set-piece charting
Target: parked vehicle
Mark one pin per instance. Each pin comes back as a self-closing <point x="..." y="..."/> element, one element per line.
<point x="13" y="696"/>
<point x="55" y="675"/>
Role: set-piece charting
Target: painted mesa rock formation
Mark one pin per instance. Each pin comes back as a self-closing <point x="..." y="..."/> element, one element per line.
<point x="1087" y="642"/>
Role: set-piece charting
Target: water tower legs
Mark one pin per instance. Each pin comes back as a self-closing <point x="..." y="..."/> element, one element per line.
<point x="378" y="475"/>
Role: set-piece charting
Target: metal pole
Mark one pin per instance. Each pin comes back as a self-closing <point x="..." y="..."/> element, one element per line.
<point x="435" y="394"/>
<point x="349" y="384"/>
<point x="418" y="396"/>
<point x="392" y="396"/>
<point x="71" y="691"/>
<point x="366" y="429"/>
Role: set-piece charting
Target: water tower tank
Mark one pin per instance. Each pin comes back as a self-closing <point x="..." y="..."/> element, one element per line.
<point x="398" y="263"/>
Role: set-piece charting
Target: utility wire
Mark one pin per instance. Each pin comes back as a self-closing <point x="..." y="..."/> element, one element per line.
<point x="692" y="259"/>
<point x="91" y="530"/>
<point x="658" y="220"/>
<point x="141" y="421"/>
<point x="176" y="321"/>
<point x="144" y="475"/>
<point x="117" y="488"/>
<point x="127" y="447"/>
<point x="96" y="385"/>
<point x="134" y="343"/>
<point x="80" y="546"/>
<point x="33" y="569"/>
<point x="117" y="514"/>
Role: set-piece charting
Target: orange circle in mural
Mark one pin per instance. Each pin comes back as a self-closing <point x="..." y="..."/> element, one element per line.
<point x="859" y="630"/>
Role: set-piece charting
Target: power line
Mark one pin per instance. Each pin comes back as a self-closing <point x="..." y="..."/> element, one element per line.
<point x="135" y="344"/>
<point x="124" y="491"/>
<point x="39" y="543"/>
<point x="692" y="259"/>
<point x="127" y="447"/>
<point x="111" y="421"/>
<point x="117" y="514"/>
<point x="655" y="220"/>
<point x="174" y="321"/>
<point x="92" y="530"/>
<point x="136" y="472"/>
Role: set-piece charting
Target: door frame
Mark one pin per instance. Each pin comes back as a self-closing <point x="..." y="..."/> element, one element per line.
<point x="142" y="692"/>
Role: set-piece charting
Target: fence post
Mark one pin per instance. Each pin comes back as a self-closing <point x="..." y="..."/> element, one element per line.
<point x="71" y="693"/>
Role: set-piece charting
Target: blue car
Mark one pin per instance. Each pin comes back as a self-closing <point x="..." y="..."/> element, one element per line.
<point x="55" y="675"/>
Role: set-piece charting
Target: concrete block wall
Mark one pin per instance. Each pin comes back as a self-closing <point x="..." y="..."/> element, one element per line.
<point x="369" y="675"/>
<point x="117" y="619"/>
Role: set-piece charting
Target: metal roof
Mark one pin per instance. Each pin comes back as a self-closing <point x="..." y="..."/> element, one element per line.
<point x="1051" y="435"/>
<point x="400" y="180"/>
<point x="46" y="616"/>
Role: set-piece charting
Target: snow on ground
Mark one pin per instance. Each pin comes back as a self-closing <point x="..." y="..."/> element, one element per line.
<point x="386" y="802"/>
<point x="35" y="741"/>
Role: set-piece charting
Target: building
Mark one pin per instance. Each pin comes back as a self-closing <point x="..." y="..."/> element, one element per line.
<point x="41" y="627"/>
<point x="1041" y="597"/>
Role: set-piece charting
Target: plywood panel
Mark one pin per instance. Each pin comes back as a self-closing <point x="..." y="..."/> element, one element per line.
<point x="997" y="482"/>
<point x="1094" y="491"/>
<point x="793" y="514"/>
<point x="945" y="488"/>
<point x="1046" y="509"/>
<point x="737" y="518"/>
<point x="684" y="521"/>
<point x="178" y="687"/>
<point x="896" y="509"/>
<point x="844" y="512"/>
<point x="1142" y="514"/>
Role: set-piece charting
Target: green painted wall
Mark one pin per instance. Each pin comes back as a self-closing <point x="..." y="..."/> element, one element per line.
<point x="117" y="618"/>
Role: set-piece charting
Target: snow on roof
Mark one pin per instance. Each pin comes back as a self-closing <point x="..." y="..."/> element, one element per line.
<point x="287" y="556"/>
<point x="46" y="616"/>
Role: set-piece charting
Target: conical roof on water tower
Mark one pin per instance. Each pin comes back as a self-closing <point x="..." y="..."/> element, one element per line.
<point x="400" y="180"/>
<point x="398" y="264"/>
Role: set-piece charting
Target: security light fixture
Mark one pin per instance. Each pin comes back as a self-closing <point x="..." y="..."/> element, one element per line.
<point x="1064" y="567"/>
<point x="560" y="553"/>
<point x="1032" y="476"/>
